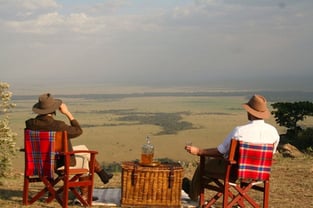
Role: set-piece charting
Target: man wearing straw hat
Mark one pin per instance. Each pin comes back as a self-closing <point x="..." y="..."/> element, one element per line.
<point x="255" y="131"/>
<point x="46" y="108"/>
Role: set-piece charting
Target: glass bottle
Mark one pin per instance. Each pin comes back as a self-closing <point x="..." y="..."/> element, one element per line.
<point x="147" y="152"/>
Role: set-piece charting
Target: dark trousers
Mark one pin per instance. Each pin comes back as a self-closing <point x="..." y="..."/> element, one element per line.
<point x="216" y="166"/>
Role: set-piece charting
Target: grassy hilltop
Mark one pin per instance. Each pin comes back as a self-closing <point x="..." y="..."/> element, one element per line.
<point x="116" y="126"/>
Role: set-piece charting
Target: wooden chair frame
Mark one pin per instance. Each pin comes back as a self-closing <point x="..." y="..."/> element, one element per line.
<point x="68" y="175"/>
<point x="234" y="191"/>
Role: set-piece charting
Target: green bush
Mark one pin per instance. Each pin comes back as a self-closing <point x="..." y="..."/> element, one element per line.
<point x="288" y="115"/>
<point x="7" y="136"/>
<point x="304" y="140"/>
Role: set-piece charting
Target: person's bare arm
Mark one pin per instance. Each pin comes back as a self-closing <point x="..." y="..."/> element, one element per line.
<point x="64" y="110"/>
<point x="213" y="152"/>
<point x="73" y="130"/>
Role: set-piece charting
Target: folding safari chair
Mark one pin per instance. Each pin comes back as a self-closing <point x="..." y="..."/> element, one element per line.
<point x="42" y="148"/>
<point x="248" y="168"/>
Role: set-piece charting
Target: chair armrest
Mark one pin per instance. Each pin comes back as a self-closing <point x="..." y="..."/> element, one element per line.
<point x="232" y="162"/>
<point x="79" y="151"/>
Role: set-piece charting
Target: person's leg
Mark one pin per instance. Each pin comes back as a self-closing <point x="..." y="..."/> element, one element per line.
<point x="84" y="192"/>
<point x="103" y="175"/>
<point x="82" y="160"/>
<point x="212" y="165"/>
<point x="194" y="187"/>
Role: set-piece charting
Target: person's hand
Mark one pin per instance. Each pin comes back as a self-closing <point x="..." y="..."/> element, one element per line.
<point x="192" y="149"/>
<point x="63" y="109"/>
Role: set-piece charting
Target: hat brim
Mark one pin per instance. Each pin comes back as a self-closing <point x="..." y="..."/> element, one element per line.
<point x="264" y="115"/>
<point x="56" y="104"/>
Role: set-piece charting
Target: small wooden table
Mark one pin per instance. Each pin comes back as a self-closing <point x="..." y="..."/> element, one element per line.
<point x="155" y="186"/>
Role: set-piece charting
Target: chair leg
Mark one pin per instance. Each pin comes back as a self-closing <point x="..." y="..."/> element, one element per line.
<point x="213" y="200"/>
<point x="48" y="187"/>
<point x="25" y="191"/>
<point x="65" y="192"/>
<point x="201" y="199"/>
<point x="86" y="191"/>
<point x="241" y="201"/>
<point x="225" y="196"/>
<point x="266" y="194"/>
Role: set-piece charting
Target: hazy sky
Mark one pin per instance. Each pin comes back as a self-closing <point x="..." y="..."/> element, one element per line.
<point x="212" y="43"/>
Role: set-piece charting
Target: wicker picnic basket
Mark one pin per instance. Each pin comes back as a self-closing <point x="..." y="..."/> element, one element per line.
<point x="144" y="186"/>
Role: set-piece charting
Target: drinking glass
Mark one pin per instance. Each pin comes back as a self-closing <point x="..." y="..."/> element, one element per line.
<point x="188" y="143"/>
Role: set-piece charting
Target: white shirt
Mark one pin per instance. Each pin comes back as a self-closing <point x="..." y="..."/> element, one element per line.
<point x="256" y="131"/>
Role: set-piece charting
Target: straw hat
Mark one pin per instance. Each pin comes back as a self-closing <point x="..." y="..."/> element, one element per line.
<point x="46" y="104"/>
<point x="257" y="107"/>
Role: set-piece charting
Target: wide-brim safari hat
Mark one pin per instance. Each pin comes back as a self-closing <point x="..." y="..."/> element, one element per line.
<point x="46" y="104"/>
<point x="257" y="106"/>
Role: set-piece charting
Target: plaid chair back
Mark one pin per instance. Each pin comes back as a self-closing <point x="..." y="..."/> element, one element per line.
<point x="255" y="160"/>
<point x="40" y="152"/>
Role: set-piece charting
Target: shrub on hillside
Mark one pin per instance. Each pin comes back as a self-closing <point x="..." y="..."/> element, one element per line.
<point x="7" y="136"/>
<point x="288" y="115"/>
<point x="304" y="140"/>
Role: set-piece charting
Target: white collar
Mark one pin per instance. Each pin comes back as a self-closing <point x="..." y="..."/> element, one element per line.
<point x="257" y="121"/>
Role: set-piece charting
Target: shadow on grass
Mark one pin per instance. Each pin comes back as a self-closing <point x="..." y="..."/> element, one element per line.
<point x="11" y="195"/>
<point x="14" y="198"/>
<point x="170" y="123"/>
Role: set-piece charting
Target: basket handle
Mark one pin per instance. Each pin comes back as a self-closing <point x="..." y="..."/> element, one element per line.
<point x="171" y="177"/>
<point x="134" y="175"/>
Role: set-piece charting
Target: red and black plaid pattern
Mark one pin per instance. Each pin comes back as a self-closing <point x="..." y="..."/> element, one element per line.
<point x="39" y="153"/>
<point x="255" y="160"/>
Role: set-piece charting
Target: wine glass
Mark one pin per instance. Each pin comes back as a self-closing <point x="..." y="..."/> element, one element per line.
<point x="188" y="143"/>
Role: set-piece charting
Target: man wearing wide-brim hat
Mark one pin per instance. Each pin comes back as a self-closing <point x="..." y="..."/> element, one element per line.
<point x="46" y="108"/>
<point x="255" y="131"/>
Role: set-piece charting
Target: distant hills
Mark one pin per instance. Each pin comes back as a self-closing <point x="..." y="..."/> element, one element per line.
<point x="272" y="96"/>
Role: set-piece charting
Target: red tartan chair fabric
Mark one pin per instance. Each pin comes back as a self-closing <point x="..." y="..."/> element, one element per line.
<point x="255" y="161"/>
<point x="248" y="167"/>
<point x="41" y="149"/>
<point x="40" y="153"/>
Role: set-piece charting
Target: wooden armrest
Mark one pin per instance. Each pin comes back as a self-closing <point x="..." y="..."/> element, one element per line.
<point x="78" y="151"/>
<point x="232" y="162"/>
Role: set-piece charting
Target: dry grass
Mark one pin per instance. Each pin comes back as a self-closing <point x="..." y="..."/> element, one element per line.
<point x="292" y="182"/>
<point x="291" y="185"/>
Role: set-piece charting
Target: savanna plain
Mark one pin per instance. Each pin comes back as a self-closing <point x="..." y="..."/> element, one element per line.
<point x="116" y="126"/>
